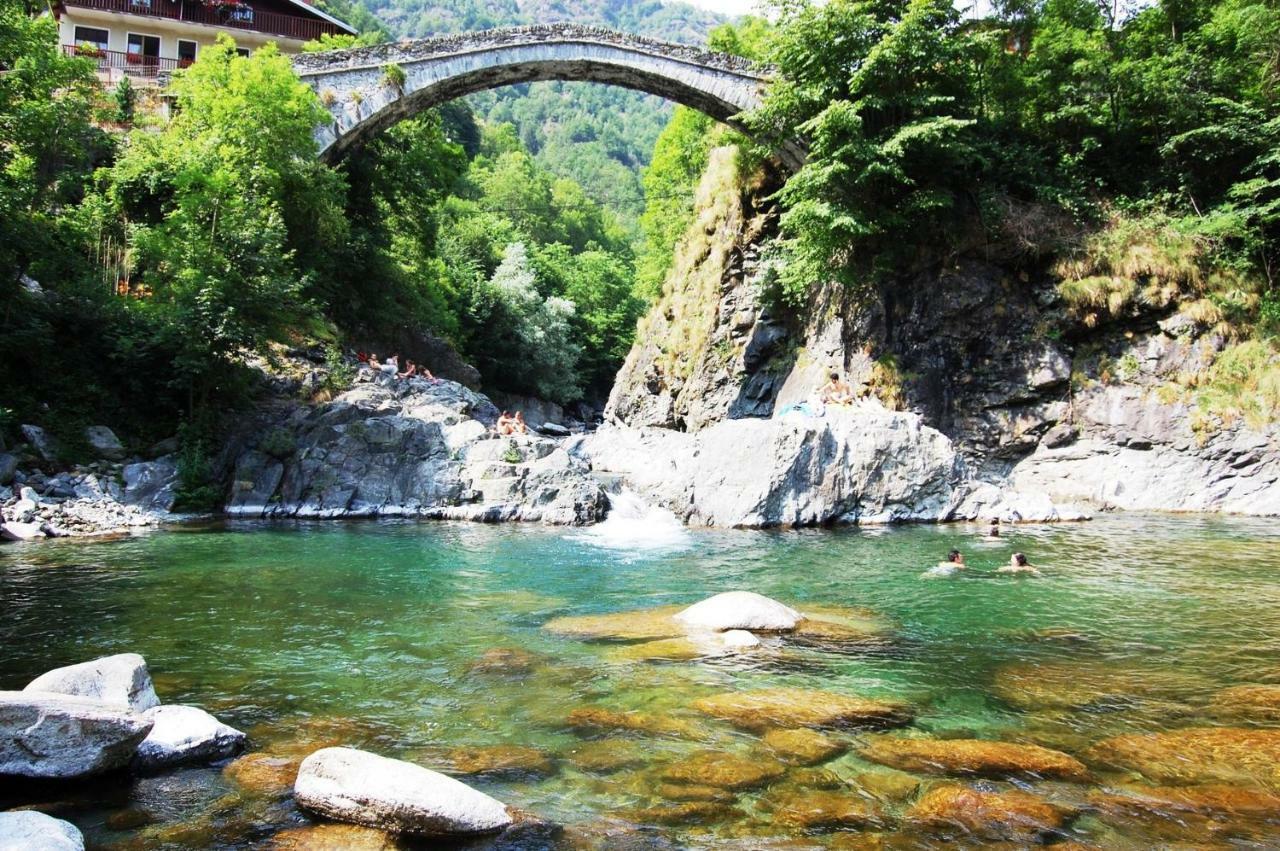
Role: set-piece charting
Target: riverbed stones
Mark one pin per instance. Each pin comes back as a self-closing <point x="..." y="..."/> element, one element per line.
<point x="185" y="734"/>
<point x="122" y="681"/>
<point x="695" y="792"/>
<point x="62" y="736"/>
<point x="1172" y="801"/>
<point x="724" y="770"/>
<point x="1253" y="702"/>
<point x="642" y="625"/>
<point x="952" y="811"/>
<point x="1090" y="685"/>
<point x="28" y="830"/>
<point x="740" y="610"/>
<point x="502" y="761"/>
<point x="355" y="786"/>
<point x="333" y="837"/>
<point x="1195" y="755"/>
<point x="684" y="813"/>
<point x="599" y="720"/>
<point x="606" y="756"/>
<point x="888" y="785"/>
<point x="972" y="757"/>
<point x="505" y="661"/>
<point x="794" y="707"/>
<point x="803" y="746"/>
<point x="819" y="810"/>
<point x="265" y="774"/>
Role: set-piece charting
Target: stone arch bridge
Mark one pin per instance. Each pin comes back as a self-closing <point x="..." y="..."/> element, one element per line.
<point x="364" y="98"/>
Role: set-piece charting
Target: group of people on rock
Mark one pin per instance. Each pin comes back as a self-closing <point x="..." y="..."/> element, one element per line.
<point x="511" y="424"/>
<point x="389" y="370"/>
<point x="835" y="393"/>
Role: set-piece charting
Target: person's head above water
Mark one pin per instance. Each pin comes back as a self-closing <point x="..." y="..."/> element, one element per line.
<point x="833" y="375"/>
<point x="1018" y="560"/>
<point x="954" y="557"/>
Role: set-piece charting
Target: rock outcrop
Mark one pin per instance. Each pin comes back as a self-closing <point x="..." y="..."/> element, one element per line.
<point x="59" y="736"/>
<point x="121" y="681"/>
<point x="413" y="448"/>
<point x="362" y="788"/>
<point x="185" y="734"/>
<point x="29" y="830"/>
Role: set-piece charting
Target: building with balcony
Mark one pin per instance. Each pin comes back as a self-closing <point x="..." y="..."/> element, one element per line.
<point x="144" y="38"/>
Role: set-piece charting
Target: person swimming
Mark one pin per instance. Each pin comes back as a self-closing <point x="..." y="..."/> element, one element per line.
<point x="1018" y="564"/>
<point x="953" y="565"/>
<point x="993" y="531"/>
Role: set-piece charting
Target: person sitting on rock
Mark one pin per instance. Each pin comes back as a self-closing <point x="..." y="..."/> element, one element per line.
<point x="505" y="424"/>
<point x="517" y="424"/>
<point x="953" y="565"/>
<point x="836" y="391"/>
<point x="423" y="372"/>
<point x="387" y="369"/>
<point x="410" y="370"/>
<point x="1018" y="564"/>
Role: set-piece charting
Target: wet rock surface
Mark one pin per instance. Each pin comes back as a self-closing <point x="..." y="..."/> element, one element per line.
<point x="971" y="756"/>
<point x="813" y="810"/>
<point x="724" y="771"/>
<point x="768" y="708"/>
<point x="504" y="761"/>
<point x="1195" y="755"/>
<point x="951" y="811"/>
<point x="803" y="747"/>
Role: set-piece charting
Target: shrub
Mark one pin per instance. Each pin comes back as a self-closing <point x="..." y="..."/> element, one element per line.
<point x="279" y="443"/>
<point x="393" y="76"/>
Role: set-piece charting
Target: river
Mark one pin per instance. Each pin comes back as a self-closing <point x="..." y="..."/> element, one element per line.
<point x="369" y="634"/>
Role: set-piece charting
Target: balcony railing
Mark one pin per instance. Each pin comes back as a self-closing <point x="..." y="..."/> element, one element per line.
<point x="133" y="64"/>
<point x="232" y="16"/>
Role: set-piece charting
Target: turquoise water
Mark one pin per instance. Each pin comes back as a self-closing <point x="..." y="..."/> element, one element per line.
<point x="367" y="634"/>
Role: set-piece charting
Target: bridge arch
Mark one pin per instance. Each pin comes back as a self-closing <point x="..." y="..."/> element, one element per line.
<point x="363" y="98"/>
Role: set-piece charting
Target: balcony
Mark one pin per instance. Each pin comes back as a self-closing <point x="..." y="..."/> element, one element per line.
<point x="236" y="16"/>
<point x="132" y="64"/>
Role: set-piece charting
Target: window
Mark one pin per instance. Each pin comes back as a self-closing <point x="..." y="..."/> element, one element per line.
<point x="92" y="35"/>
<point x="243" y="51"/>
<point x="143" y="49"/>
<point x="186" y="52"/>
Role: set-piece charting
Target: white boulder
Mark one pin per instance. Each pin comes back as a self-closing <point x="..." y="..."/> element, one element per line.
<point x="181" y="734"/>
<point x="363" y="788"/>
<point x="55" y="735"/>
<point x="14" y="531"/>
<point x="740" y="610"/>
<point x="28" y="830"/>
<point x="739" y="639"/>
<point x="122" y="681"/>
<point x="104" y="442"/>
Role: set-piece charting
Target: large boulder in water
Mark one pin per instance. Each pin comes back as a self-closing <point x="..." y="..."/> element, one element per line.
<point x="122" y="681"/>
<point x="183" y="734"/>
<point x="28" y="830"/>
<point x="55" y="735"/>
<point x="363" y="788"/>
<point x="972" y="756"/>
<point x="740" y="610"/>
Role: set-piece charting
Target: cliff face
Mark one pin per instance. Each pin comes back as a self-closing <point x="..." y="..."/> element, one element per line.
<point x="991" y="357"/>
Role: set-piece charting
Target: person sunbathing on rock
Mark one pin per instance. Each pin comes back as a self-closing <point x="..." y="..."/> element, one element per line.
<point x="517" y="424"/>
<point x="410" y="370"/>
<point x="836" y="391"/>
<point x="1018" y="564"/>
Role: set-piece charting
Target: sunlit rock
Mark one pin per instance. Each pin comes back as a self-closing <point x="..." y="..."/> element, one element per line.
<point x="266" y="774"/>
<point x="724" y="770"/>
<point x="687" y="812"/>
<point x="1254" y="702"/>
<point x="957" y="811"/>
<point x="354" y="786"/>
<point x="643" y="625"/>
<point x="333" y="837"/>
<point x="695" y="792"/>
<point x="740" y="610"/>
<point x="811" y="810"/>
<point x="605" y="756"/>
<point x="816" y="778"/>
<point x="803" y="746"/>
<point x="598" y="720"/>
<point x="664" y="650"/>
<point x="791" y="707"/>
<point x="739" y="639"/>
<point x="505" y="661"/>
<point x="121" y="680"/>
<point x="28" y="830"/>
<point x="971" y="756"/>
<point x="504" y="761"/>
<point x="888" y="785"/>
<point x="185" y="734"/>
<point x="1173" y="802"/>
<point x="1087" y="685"/>
<point x="56" y="735"/>
<point x="1195" y="755"/>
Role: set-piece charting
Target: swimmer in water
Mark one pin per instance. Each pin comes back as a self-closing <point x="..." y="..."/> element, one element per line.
<point x="1018" y="564"/>
<point x="993" y="531"/>
<point x="953" y="565"/>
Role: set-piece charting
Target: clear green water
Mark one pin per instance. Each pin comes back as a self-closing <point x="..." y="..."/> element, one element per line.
<point x="365" y="633"/>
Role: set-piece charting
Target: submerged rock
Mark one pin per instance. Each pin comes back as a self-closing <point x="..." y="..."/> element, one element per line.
<point x="803" y="746"/>
<point x="643" y="625"/>
<point x="354" y="786"/>
<point x="594" y="719"/>
<point x="972" y="756"/>
<point x="695" y="792"/>
<point x="507" y="761"/>
<point x="724" y="771"/>
<point x="792" y="707"/>
<point x="28" y="830"/>
<point x="505" y="661"/>
<point x="54" y="735"/>
<point x="333" y="837"/>
<point x="266" y="774"/>
<point x="688" y="812"/>
<point x="1171" y="802"/>
<point x="1087" y="685"/>
<point x="1256" y="702"/>
<point x="811" y="810"/>
<point x="605" y="756"/>
<point x="1195" y="755"/>
<point x="740" y="610"/>
<point x="959" y="812"/>
<point x="185" y="734"/>
<point x="122" y="681"/>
